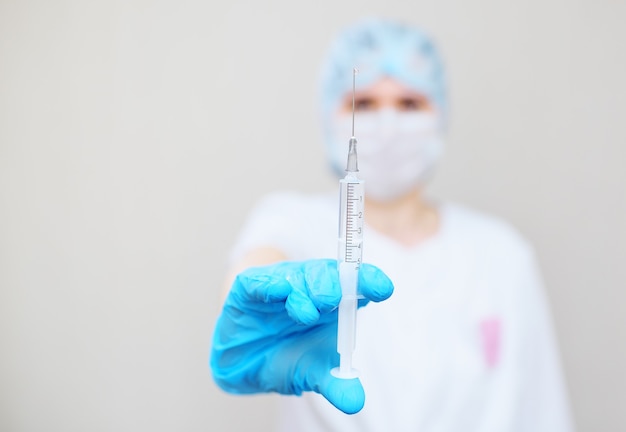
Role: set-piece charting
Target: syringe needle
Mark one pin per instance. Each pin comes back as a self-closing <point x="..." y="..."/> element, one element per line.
<point x="352" y="166"/>
<point x="354" y="72"/>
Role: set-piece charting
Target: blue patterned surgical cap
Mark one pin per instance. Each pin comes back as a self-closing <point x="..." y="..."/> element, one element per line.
<point x="378" y="48"/>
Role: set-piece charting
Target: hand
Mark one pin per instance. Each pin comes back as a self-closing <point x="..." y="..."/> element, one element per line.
<point x="278" y="331"/>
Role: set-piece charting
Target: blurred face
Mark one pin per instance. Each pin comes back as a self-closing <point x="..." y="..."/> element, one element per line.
<point x="399" y="138"/>
<point x="385" y="93"/>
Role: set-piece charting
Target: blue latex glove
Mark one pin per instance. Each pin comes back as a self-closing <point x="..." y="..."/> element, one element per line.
<point x="278" y="331"/>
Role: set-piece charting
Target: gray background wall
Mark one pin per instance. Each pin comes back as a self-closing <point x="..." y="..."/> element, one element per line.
<point x="136" y="135"/>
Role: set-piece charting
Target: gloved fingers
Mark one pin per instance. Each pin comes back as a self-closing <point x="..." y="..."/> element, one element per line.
<point x="300" y="307"/>
<point x="322" y="283"/>
<point x="308" y="288"/>
<point x="346" y="395"/>
<point x="315" y="291"/>
<point x="266" y="284"/>
<point x="277" y="283"/>
<point x="374" y="284"/>
<point x="318" y="278"/>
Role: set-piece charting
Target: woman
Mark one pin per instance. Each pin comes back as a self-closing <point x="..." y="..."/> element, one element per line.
<point x="465" y="341"/>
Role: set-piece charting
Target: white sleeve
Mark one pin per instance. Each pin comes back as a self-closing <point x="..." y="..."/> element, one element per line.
<point x="544" y="405"/>
<point x="272" y="223"/>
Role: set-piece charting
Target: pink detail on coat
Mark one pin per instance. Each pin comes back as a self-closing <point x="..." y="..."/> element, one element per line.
<point x="490" y="333"/>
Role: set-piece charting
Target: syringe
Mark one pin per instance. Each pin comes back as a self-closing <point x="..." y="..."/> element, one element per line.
<point x="349" y="255"/>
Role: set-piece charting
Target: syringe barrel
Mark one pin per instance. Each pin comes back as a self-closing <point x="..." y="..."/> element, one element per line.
<point x="350" y="221"/>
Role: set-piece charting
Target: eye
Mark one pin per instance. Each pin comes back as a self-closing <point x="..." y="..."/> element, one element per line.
<point x="411" y="104"/>
<point x="364" y="104"/>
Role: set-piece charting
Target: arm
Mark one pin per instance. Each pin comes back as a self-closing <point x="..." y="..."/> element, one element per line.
<point x="257" y="257"/>
<point x="544" y="402"/>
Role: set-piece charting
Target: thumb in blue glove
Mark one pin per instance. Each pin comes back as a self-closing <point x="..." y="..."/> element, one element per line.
<point x="278" y="331"/>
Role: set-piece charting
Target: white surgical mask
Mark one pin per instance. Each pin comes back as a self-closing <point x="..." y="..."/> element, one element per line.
<point x="396" y="150"/>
